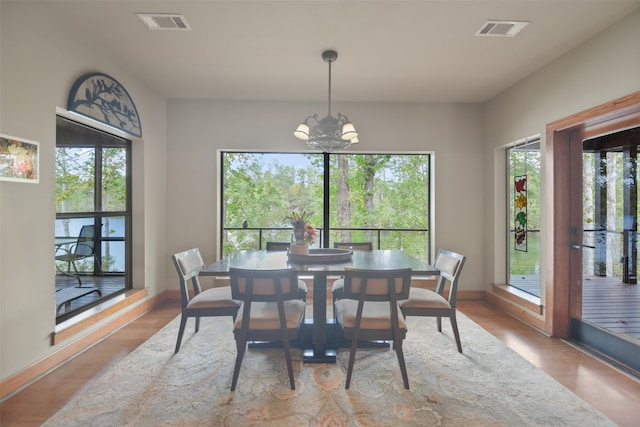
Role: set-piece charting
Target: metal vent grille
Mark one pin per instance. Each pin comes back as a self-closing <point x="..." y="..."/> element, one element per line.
<point x="501" y="28"/>
<point x="164" y="21"/>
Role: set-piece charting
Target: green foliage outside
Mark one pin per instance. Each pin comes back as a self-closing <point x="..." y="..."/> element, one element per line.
<point x="376" y="192"/>
<point x="525" y="263"/>
<point x="608" y="175"/>
<point x="525" y="161"/>
<point x="76" y="190"/>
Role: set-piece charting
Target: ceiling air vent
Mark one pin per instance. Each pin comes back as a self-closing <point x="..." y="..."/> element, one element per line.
<point x="164" y="21"/>
<point x="501" y="28"/>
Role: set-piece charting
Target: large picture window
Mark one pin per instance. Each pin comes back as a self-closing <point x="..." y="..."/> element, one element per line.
<point x="380" y="198"/>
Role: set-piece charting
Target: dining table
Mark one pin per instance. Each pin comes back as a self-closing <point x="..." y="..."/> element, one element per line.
<point x="322" y="350"/>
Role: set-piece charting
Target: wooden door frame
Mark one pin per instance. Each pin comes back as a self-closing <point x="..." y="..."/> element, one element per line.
<point x="563" y="207"/>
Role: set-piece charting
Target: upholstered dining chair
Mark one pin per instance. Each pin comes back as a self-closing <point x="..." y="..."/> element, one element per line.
<point x="278" y="246"/>
<point x="425" y="302"/>
<point x="283" y="247"/>
<point x="338" y="285"/>
<point x="196" y="302"/>
<point x="356" y="246"/>
<point x="271" y="311"/>
<point x="369" y="311"/>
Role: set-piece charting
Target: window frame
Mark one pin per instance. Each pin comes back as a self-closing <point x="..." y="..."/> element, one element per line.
<point x="509" y="195"/>
<point x="98" y="214"/>
<point x="326" y="242"/>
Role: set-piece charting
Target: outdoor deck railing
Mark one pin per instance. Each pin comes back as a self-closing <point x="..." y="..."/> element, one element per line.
<point x="414" y="240"/>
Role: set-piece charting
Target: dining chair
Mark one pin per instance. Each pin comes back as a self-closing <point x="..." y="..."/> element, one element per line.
<point x="369" y="311"/>
<point x="83" y="248"/>
<point x="278" y="246"/>
<point x="425" y="302"/>
<point x="196" y="302"/>
<point x="271" y="311"/>
<point x="338" y="285"/>
<point x="283" y="247"/>
<point x="356" y="246"/>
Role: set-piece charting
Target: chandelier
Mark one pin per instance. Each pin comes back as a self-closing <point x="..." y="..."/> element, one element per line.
<point x="330" y="133"/>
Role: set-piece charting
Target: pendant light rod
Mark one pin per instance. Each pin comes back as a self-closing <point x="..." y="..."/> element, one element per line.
<point x="330" y="133"/>
<point x="329" y="56"/>
<point x="329" y="88"/>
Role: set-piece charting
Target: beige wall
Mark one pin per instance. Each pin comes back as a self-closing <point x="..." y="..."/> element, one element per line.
<point x="602" y="69"/>
<point x="39" y="64"/>
<point x="452" y="132"/>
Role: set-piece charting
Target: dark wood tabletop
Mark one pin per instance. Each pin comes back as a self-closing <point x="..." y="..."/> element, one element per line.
<point x="271" y="260"/>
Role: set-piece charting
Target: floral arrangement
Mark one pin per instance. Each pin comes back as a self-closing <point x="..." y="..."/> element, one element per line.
<point x="303" y="231"/>
<point x="309" y="234"/>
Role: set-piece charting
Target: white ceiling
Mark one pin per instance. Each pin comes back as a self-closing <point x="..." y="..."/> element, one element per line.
<point x="415" y="51"/>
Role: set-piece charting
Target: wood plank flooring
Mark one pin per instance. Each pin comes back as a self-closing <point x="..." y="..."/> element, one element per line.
<point x="612" y="392"/>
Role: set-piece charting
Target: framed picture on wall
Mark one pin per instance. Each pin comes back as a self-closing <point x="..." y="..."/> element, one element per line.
<point x="19" y="159"/>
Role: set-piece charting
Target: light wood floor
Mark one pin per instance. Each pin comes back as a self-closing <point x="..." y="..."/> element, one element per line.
<point x="614" y="393"/>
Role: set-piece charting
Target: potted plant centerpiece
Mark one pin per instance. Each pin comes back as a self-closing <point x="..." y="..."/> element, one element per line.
<point x="304" y="233"/>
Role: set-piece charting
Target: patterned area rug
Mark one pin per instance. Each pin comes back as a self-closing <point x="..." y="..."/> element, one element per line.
<point x="488" y="385"/>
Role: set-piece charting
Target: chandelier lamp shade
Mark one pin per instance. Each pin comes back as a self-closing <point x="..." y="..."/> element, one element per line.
<point x="330" y="133"/>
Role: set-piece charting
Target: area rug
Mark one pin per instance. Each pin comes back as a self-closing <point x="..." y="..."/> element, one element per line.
<point x="487" y="385"/>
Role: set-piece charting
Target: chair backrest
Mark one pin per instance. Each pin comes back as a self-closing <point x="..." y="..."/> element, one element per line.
<point x="85" y="246"/>
<point x="278" y="246"/>
<point x="377" y="285"/>
<point x="450" y="265"/>
<point x="263" y="285"/>
<point x="189" y="264"/>
<point x="356" y="246"/>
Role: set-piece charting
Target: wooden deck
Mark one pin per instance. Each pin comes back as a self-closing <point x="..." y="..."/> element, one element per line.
<point x="108" y="285"/>
<point x="528" y="284"/>
<point x="613" y="305"/>
<point x="606" y="302"/>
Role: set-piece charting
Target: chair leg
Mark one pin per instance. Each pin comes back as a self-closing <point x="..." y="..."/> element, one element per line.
<point x="97" y="261"/>
<point x="241" y="347"/>
<point x="68" y="272"/>
<point x="183" y="323"/>
<point x="77" y="275"/>
<point x="287" y="355"/>
<point x="456" y="334"/>
<point x="439" y="323"/>
<point x="197" y="323"/>
<point x="403" y="367"/>
<point x="352" y="358"/>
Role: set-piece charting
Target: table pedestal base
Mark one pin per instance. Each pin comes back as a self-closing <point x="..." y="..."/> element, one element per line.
<point x="312" y="356"/>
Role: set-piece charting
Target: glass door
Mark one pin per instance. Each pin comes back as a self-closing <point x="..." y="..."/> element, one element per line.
<point x="609" y="319"/>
